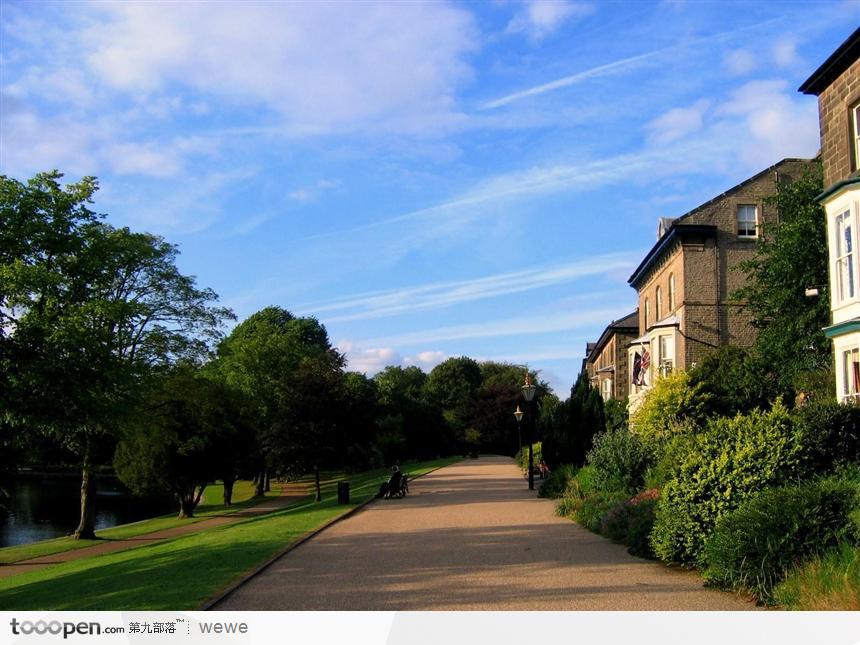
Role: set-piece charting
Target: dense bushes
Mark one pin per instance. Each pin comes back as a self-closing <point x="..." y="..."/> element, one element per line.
<point x="832" y="433"/>
<point x="554" y="486"/>
<point x="726" y="463"/>
<point x="736" y="380"/>
<point x="620" y="460"/>
<point x="673" y="399"/>
<point x="631" y="522"/>
<point x="754" y="546"/>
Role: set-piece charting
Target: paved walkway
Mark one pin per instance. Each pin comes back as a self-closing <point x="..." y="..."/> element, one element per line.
<point x="469" y="536"/>
<point x="289" y="494"/>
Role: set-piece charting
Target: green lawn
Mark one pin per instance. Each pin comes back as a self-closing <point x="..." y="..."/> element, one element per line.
<point x="242" y="497"/>
<point x="182" y="573"/>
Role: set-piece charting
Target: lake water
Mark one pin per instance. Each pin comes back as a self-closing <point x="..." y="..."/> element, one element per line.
<point x="42" y="507"/>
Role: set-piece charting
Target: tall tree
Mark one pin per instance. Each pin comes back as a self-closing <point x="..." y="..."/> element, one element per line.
<point x="288" y="369"/>
<point x="409" y="424"/>
<point x="493" y="407"/>
<point x="570" y="435"/>
<point x="453" y="387"/>
<point x="791" y="255"/>
<point x="186" y="433"/>
<point x="89" y="311"/>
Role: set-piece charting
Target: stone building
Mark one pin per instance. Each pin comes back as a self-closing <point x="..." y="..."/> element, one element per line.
<point x="606" y="360"/>
<point x="687" y="280"/>
<point x="837" y="85"/>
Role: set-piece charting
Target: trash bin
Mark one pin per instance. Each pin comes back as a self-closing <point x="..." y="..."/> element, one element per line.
<point x="343" y="492"/>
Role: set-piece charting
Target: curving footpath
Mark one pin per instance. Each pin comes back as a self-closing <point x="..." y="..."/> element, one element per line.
<point x="470" y="536"/>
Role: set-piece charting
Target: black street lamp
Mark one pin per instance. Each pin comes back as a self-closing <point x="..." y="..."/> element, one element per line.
<point x="519" y="415"/>
<point x="529" y="390"/>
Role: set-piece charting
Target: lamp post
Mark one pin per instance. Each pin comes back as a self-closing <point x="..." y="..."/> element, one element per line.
<point x="529" y="390"/>
<point x="519" y="415"/>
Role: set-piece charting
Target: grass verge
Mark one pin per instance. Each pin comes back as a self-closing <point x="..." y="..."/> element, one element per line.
<point x="181" y="573"/>
<point x="242" y="497"/>
<point x="829" y="582"/>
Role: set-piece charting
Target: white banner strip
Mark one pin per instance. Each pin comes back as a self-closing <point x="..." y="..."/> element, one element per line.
<point x="432" y="628"/>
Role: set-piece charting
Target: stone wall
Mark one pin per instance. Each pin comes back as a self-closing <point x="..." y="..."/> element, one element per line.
<point x="834" y="104"/>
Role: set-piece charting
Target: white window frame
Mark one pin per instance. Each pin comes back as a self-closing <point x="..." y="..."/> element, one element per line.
<point x="606" y="389"/>
<point x="666" y="349"/>
<point x="845" y="264"/>
<point x="855" y="132"/>
<point x="658" y="297"/>
<point x="850" y="359"/>
<point x="671" y="293"/>
<point x="743" y="224"/>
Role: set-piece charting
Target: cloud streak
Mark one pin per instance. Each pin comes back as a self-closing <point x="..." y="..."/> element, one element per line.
<point x="519" y="326"/>
<point x="616" y="66"/>
<point x="377" y="304"/>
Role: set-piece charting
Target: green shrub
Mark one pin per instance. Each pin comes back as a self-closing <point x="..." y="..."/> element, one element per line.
<point x="673" y="399"/>
<point x="615" y="412"/>
<point x="754" y="546"/>
<point x="727" y="462"/>
<point x="736" y="380"/>
<point x="832" y="433"/>
<point x="620" y="460"/>
<point x="594" y="506"/>
<point x="631" y="521"/>
<point x="830" y="582"/>
<point x="522" y="457"/>
<point x="554" y="486"/>
<point x="577" y="489"/>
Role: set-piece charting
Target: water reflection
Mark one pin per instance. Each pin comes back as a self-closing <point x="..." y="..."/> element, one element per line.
<point x="48" y="506"/>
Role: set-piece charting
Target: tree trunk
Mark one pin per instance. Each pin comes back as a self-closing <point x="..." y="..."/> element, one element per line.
<point x="268" y="482"/>
<point x="259" y="491"/>
<point x="186" y="505"/>
<point x="86" y="527"/>
<point x="228" y="490"/>
<point x="317" y="478"/>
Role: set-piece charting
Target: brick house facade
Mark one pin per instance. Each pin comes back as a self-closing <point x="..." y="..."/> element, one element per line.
<point x="686" y="282"/>
<point x="836" y="83"/>
<point x="606" y="361"/>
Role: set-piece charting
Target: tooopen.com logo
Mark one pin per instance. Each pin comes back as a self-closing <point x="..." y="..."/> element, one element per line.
<point x="55" y="628"/>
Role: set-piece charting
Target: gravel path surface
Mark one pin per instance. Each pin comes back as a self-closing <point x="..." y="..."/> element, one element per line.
<point x="469" y="536"/>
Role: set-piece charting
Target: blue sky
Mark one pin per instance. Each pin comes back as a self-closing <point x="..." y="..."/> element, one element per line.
<point x="429" y="180"/>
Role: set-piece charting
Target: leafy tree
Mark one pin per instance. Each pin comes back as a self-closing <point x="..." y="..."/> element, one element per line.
<point x="290" y="373"/>
<point x="734" y="380"/>
<point x="791" y="256"/>
<point x="453" y="386"/>
<point x="359" y="410"/>
<point x="409" y="424"/>
<point x="493" y="406"/>
<point x="581" y="418"/>
<point x="89" y="311"/>
<point x="185" y="435"/>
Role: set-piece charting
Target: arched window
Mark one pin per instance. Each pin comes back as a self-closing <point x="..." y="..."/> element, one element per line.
<point x="646" y="313"/>
<point x="671" y="293"/>
<point x="658" y="300"/>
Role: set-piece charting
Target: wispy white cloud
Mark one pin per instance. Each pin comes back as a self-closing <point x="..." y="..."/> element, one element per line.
<point x="519" y="326"/>
<point x="397" y="66"/>
<point x="537" y="19"/>
<point x="785" y="52"/>
<point x="617" y="66"/>
<point x="739" y="62"/>
<point x="677" y="123"/>
<point x="445" y="294"/>
<point x="190" y="207"/>
<point x="769" y="122"/>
